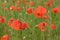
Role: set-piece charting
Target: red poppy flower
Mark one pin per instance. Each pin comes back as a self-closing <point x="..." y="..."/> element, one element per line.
<point x="26" y="3"/>
<point x="2" y="19"/>
<point x="5" y="8"/>
<point x="18" y="9"/>
<point x="12" y="8"/>
<point x="45" y="17"/>
<point x="3" y="4"/>
<point x="16" y="25"/>
<point x="10" y="22"/>
<point x="17" y="2"/>
<point x="24" y="25"/>
<point x="42" y="26"/>
<point x="29" y="10"/>
<point x="39" y="11"/>
<point x="52" y="26"/>
<point x="31" y="3"/>
<point x="4" y="37"/>
<point x="55" y="10"/>
<point x="49" y="3"/>
<point x="58" y="7"/>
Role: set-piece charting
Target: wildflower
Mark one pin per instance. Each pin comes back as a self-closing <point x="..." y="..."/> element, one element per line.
<point x="45" y="17"/>
<point x="4" y="37"/>
<point x="17" y="2"/>
<point x="55" y="10"/>
<point x="10" y="22"/>
<point x="18" y="9"/>
<point x="3" y="4"/>
<point x="31" y="3"/>
<point x="5" y="8"/>
<point x="42" y="26"/>
<point x="26" y="3"/>
<point x="39" y="12"/>
<point x="58" y="7"/>
<point x="16" y="25"/>
<point x="2" y="19"/>
<point x="12" y="8"/>
<point x="24" y="25"/>
<point x="52" y="26"/>
<point x="49" y="3"/>
<point x="29" y="10"/>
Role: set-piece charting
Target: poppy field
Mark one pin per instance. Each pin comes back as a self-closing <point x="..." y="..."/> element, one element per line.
<point x="29" y="19"/>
